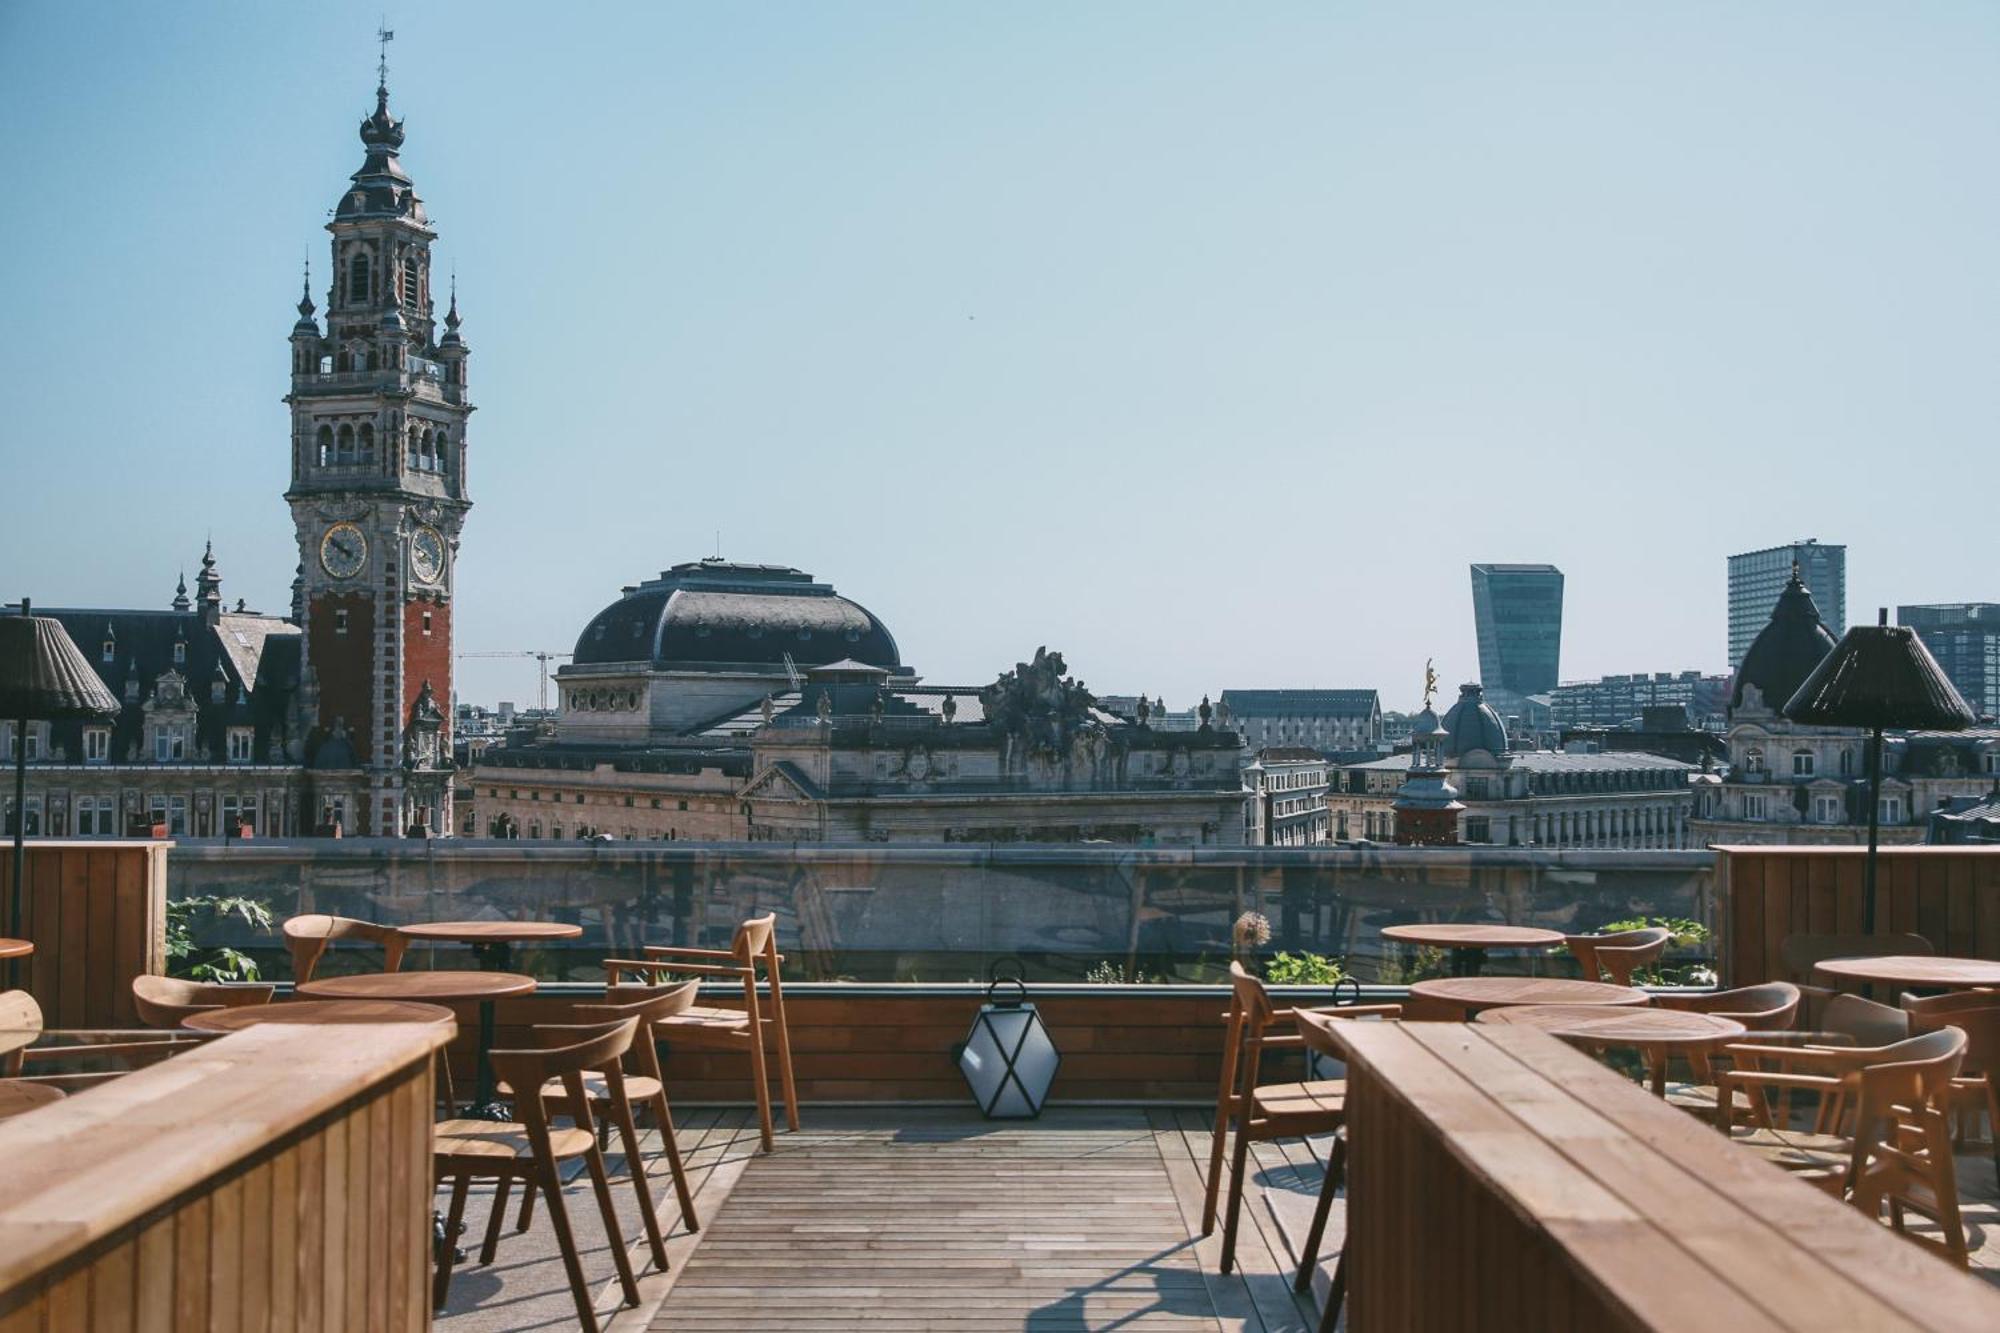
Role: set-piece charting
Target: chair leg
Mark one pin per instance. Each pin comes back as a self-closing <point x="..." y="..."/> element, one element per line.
<point x="551" y="1183"/>
<point x="491" y="1244"/>
<point x="600" y="1185"/>
<point x="444" y="1082"/>
<point x="674" y="1164"/>
<point x="621" y="1111"/>
<point x="1336" y="1295"/>
<point x="448" y="1252"/>
<point x="785" y="1069"/>
<point x="763" y="1086"/>
<point x="527" y="1210"/>
<point x="1336" y="1163"/>
<point x="1238" y="1163"/>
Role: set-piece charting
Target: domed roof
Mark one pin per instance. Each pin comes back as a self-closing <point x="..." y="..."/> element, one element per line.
<point x="1785" y="651"/>
<point x="1474" y="725"/>
<point x="715" y="614"/>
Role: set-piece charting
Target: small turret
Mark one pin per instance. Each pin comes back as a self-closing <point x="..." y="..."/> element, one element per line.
<point x="181" y="602"/>
<point x="208" y="586"/>
<point x="305" y="333"/>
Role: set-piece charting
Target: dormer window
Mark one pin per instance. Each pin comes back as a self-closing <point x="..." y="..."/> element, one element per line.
<point x="110" y="650"/>
<point x="96" y="744"/>
<point x="240" y="742"/>
<point x="180" y="652"/>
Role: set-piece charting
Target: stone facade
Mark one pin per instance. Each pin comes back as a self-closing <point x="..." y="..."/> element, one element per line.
<point x="1329" y="721"/>
<point x="1284" y="802"/>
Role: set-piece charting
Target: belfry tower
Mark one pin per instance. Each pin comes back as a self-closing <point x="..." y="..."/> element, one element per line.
<point x="378" y="496"/>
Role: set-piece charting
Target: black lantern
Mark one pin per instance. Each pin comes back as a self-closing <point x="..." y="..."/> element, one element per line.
<point x="43" y="678"/>
<point x="1878" y="676"/>
<point x="1007" y="1059"/>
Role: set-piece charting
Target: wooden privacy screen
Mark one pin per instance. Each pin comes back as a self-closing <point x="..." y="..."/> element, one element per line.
<point x="97" y="913"/>
<point x="1498" y="1179"/>
<point x="1949" y="895"/>
<point x="276" y="1178"/>
<point x="1116" y="1046"/>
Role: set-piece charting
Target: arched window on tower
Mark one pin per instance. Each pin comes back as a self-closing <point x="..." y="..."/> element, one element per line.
<point x="429" y="458"/>
<point x="443" y="453"/>
<point x="410" y="288"/>
<point x="346" y="450"/>
<point x="357" y="279"/>
<point x="365" y="439"/>
<point x="324" y="441"/>
<point x="414" y="434"/>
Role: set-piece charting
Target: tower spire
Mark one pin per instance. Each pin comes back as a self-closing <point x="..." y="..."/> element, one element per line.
<point x="384" y="35"/>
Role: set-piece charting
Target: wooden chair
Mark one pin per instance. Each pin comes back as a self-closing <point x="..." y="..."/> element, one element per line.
<point x="70" y="1060"/>
<point x="20" y="1025"/>
<point x="1771" y="1007"/>
<point x="163" y="1002"/>
<point x="1258" y="1114"/>
<point x="708" y="1029"/>
<point x="651" y="1006"/>
<point x="1898" y="1150"/>
<point x="528" y="1150"/>
<point x="1619" y="954"/>
<point x="1977" y="1087"/>
<point x="307" y="938"/>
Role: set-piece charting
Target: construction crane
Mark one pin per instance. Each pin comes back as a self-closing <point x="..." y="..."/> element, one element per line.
<point x="542" y="659"/>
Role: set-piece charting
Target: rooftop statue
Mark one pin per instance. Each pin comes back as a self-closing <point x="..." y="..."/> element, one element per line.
<point x="1038" y="705"/>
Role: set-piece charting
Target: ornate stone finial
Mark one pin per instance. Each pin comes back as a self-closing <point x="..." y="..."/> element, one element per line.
<point x="1222" y="713"/>
<point x="1430" y="681"/>
<point x="451" y="315"/>
<point x="306" y="307"/>
<point x="879" y="704"/>
<point x="949" y="708"/>
<point x="1145" y="711"/>
<point x="181" y="602"/>
<point x="768" y="709"/>
<point x="825" y="707"/>
<point x="1205" y="712"/>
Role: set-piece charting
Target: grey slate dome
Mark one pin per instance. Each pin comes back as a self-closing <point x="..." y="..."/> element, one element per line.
<point x="1786" y="650"/>
<point x="1474" y="725"/>
<point x="715" y="614"/>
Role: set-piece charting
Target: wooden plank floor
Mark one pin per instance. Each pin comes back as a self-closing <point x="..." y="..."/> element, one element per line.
<point x="905" y="1219"/>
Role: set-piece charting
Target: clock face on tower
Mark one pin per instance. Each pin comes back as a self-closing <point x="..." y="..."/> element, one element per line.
<point x="427" y="555"/>
<point x="343" y="551"/>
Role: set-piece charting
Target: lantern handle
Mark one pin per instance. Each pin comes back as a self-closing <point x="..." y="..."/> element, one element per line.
<point x="1353" y="997"/>
<point x="1007" y="967"/>
<point x="1019" y="998"/>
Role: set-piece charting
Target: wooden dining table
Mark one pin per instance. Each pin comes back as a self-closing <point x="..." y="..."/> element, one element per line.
<point x="1656" y="1032"/>
<point x="16" y="948"/>
<point x="1470" y="995"/>
<point x="492" y="942"/>
<point x="313" y="1012"/>
<point x="1469" y="941"/>
<point x="1925" y="971"/>
<point x="482" y="988"/>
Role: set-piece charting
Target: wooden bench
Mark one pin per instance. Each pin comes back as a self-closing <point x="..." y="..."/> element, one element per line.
<point x="1499" y="1179"/>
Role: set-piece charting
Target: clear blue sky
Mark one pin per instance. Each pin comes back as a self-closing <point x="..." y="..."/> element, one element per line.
<point x="1208" y="344"/>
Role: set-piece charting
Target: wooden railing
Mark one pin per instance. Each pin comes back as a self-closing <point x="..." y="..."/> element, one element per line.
<point x="96" y="910"/>
<point x="276" y="1178"/>
<point x="1949" y="895"/>
<point x="1500" y="1179"/>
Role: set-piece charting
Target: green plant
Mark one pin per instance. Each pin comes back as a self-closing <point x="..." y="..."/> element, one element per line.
<point x="1420" y="964"/>
<point x="1303" y="969"/>
<point x="218" y="962"/>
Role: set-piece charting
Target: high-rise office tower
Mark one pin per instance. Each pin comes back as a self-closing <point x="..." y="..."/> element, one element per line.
<point x="1965" y="639"/>
<point x="1518" y="612"/>
<point x="1757" y="577"/>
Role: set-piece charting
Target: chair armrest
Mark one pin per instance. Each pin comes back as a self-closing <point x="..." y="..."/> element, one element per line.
<point x="1284" y="1042"/>
<point x="662" y="950"/>
<point x="704" y="970"/>
<point x="1730" y="1078"/>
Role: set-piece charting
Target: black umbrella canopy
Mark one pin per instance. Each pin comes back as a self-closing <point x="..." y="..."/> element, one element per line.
<point x="1880" y="676"/>
<point x="42" y="675"/>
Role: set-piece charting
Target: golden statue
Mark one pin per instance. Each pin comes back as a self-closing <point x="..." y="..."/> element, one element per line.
<point x="1430" y="681"/>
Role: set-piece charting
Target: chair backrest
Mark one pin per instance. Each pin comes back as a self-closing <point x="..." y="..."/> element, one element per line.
<point x="1801" y="953"/>
<point x="308" y="936"/>
<point x="648" y="1004"/>
<point x="757" y="938"/>
<point x="1913" y="1072"/>
<point x="1620" y="953"/>
<point x="575" y="1049"/>
<point x="1865" y="1022"/>
<point x="162" y="1002"/>
<point x="1771" y="1007"/>
<point x="20" y="1024"/>
<point x="1975" y="1013"/>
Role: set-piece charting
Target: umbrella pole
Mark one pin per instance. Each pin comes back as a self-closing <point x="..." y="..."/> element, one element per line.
<point x="1874" y="817"/>
<point x="20" y="850"/>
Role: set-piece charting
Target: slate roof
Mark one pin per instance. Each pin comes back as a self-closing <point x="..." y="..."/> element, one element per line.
<point x="256" y="659"/>
<point x="1785" y="651"/>
<point x="715" y="613"/>
<point x="1556" y="761"/>
<point x="1302" y="703"/>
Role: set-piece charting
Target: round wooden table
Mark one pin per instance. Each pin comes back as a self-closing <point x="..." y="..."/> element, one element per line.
<point x="16" y="948"/>
<point x="436" y="988"/>
<point x="1650" y="1030"/>
<point x="319" y="1011"/>
<point x="492" y="941"/>
<point x="18" y="1098"/>
<point x="1469" y="942"/>
<point x="1473" y="994"/>
<point x="1921" y="970"/>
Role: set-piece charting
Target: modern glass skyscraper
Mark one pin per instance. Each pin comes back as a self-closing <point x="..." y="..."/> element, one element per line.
<point x="1518" y="612"/>
<point x="1965" y="639"/>
<point x="1757" y="577"/>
